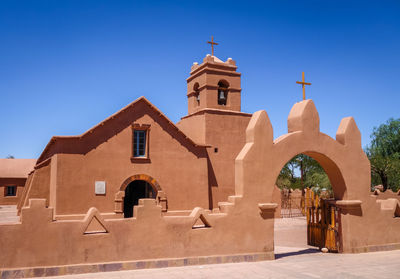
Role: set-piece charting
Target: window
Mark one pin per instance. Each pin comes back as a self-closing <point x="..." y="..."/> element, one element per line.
<point x="10" y="191"/>
<point x="139" y="143"/>
<point x="222" y="93"/>
<point x="197" y="93"/>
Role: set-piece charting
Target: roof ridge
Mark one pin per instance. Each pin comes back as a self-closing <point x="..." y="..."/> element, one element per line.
<point x="114" y="115"/>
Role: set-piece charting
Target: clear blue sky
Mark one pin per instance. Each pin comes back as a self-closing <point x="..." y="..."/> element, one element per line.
<point x="67" y="65"/>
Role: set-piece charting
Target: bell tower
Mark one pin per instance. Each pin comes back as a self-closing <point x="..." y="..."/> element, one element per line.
<point x="215" y="121"/>
<point x="214" y="84"/>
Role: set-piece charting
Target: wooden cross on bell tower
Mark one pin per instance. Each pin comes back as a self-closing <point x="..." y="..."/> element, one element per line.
<point x="212" y="45"/>
<point x="303" y="84"/>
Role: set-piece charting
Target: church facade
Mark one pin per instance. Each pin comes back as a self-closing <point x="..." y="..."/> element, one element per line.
<point x="139" y="153"/>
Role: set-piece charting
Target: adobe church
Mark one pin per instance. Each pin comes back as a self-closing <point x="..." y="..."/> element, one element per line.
<point x="139" y="153"/>
<point x="138" y="191"/>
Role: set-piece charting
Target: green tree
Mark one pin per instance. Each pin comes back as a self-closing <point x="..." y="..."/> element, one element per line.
<point x="303" y="171"/>
<point x="10" y="157"/>
<point x="384" y="155"/>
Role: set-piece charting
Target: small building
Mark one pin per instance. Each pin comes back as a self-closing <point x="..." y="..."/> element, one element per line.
<point x="13" y="175"/>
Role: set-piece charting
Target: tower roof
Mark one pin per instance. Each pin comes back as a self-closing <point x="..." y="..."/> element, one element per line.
<point x="211" y="61"/>
<point x="214" y="84"/>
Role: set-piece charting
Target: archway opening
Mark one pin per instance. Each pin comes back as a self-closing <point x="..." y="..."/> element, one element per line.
<point x="137" y="189"/>
<point x="304" y="172"/>
<point x="305" y="193"/>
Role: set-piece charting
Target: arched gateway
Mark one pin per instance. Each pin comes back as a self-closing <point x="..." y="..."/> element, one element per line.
<point x="262" y="158"/>
<point x="348" y="168"/>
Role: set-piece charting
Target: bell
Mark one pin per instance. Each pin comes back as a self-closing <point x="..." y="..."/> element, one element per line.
<point x="222" y="95"/>
<point x="198" y="97"/>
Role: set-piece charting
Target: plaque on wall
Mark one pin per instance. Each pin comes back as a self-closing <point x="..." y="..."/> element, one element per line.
<point x="100" y="187"/>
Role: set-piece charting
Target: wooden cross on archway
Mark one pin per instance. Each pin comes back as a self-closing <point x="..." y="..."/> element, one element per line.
<point x="303" y="84"/>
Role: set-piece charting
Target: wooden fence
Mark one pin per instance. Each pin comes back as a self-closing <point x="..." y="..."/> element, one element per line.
<point x="292" y="204"/>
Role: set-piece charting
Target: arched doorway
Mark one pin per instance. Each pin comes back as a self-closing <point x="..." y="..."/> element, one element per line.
<point x="137" y="189"/>
<point x="140" y="186"/>
<point x="305" y="198"/>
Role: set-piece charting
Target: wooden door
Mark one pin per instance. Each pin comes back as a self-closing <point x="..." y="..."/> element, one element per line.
<point x="323" y="222"/>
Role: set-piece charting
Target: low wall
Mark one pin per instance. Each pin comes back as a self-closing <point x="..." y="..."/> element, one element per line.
<point x="38" y="240"/>
<point x="373" y="225"/>
<point x="388" y="194"/>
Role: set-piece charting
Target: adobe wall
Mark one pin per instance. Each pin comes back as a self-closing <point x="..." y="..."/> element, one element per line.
<point x="195" y="127"/>
<point x="38" y="185"/>
<point x="388" y="194"/>
<point x="24" y="194"/>
<point x="179" y="169"/>
<point x="227" y="133"/>
<point x="277" y="198"/>
<point x="371" y="226"/>
<point x="296" y="196"/>
<point x="224" y="130"/>
<point x="238" y="229"/>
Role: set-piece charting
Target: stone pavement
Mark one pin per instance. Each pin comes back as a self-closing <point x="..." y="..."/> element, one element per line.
<point x="291" y="232"/>
<point x="301" y="264"/>
<point x="294" y="259"/>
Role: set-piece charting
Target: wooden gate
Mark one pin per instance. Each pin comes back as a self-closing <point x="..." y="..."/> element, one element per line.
<point x="323" y="222"/>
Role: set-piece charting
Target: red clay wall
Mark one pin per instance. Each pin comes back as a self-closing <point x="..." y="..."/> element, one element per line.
<point x="368" y="228"/>
<point x="149" y="235"/>
<point x="21" y="200"/>
<point x="179" y="168"/>
<point x="225" y="131"/>
<point x="277" y="198"/>
<point x="194" y="127"/>
<point x="38" y="186"/>
<point x="388" y="194"/>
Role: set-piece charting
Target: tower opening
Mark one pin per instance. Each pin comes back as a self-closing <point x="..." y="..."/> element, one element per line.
<point x="222" y="93"/>
<point x="197" y="93"/>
